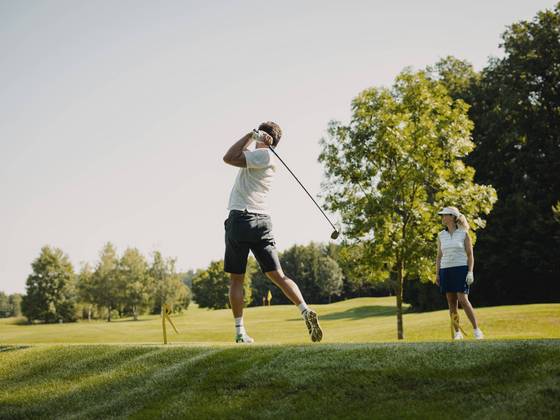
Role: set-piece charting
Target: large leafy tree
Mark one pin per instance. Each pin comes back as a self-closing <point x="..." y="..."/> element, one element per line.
<point x="393" y="166"/>
<point x="50" y="295"/>
<point x="516" y="111"/>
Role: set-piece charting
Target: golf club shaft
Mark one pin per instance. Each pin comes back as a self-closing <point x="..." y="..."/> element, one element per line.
<point x="305" y="189"/>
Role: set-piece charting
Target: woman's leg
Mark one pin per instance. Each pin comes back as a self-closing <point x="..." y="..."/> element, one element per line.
<point x="467" y="307"/>
<point x="452" y="301"/>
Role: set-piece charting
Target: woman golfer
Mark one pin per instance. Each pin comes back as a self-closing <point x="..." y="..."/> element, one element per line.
<point x="455" y="264"/>
<point x="248" y="226"/>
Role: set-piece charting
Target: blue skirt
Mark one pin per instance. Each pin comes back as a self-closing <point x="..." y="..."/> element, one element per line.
<point x="454" y="279"/>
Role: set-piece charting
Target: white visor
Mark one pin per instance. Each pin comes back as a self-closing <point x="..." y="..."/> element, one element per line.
<point x="449" y="210"/>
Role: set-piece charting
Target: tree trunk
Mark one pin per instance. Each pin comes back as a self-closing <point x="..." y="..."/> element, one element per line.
<point x="109" y="316"/>
<point x="134" y="312"/>
<point x="399" y="290"/>
<point x="89" y="313"/>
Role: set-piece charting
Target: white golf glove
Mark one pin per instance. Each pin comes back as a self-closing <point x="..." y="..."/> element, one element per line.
<point x="258" y="136"/>
<point x="470" y="278"/>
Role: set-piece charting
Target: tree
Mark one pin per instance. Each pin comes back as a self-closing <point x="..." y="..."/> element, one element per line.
<point x="50" y="288"/>
<point x="359" y="279"/>
<point x="516" y="111"/>
<point x="135" y="284"/>
<point x="329" y="278"/>
<point x="301" y="263"/>
<point x="10" y="305"/>
<point x="318" y="276"/>
<point x="105" y="282"/>
<point x="556" y="211"/>
<point x="187" y="277"/>
<point x="168" y="286"/>
<point x="211" y="287"/>
<point x="15" y="303"/>
<point x="5" y="307"/>
<point x="86" y="287"/>
<point x="390" y="170"/>
<point x="458" y="77"/>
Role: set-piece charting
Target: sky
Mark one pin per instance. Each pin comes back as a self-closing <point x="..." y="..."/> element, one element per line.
<point x="115" y="115"/>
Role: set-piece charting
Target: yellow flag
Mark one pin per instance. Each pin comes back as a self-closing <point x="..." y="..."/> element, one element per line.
<point x="269" y="297"/>
<point x="165" y="311"/>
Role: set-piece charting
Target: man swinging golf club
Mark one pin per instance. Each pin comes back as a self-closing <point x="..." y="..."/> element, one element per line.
<point x="249" y="227"/>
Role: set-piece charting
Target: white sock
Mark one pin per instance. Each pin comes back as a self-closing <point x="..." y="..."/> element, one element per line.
<point x="239" y="327"/>
<point x="302" y="307"/>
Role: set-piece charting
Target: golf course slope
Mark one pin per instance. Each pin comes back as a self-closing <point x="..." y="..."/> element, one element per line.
<point x="488" y="379"/>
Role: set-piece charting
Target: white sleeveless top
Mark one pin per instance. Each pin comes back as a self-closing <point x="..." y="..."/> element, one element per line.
<point x="453" y="248"/>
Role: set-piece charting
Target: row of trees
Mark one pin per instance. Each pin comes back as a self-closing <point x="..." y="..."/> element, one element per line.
<point x="324" y="273"/>
<point x="10" y="305"/>
<point x="318" y="275"/>
<point x="128" y="285"/>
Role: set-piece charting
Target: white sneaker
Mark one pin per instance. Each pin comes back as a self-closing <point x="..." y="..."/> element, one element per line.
<point x="243" y="338"/>
<point x="478" y="335"/>
<point x="458" y="335"/>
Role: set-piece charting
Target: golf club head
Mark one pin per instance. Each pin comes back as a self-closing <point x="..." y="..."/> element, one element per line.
<point x="335" y="234"/>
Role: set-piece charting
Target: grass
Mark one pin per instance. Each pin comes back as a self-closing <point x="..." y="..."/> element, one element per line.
<point x="492" y="379"/>
<point x="97" y="369"/>
<point x="360" y="320"/>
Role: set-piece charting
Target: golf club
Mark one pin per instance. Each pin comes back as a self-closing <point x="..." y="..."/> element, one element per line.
<point x="335" y="233"/>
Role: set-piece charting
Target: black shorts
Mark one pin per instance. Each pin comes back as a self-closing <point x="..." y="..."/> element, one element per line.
<point x="249" y="231"/>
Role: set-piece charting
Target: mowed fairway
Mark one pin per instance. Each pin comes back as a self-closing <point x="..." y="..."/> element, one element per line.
<point x="354" y="321"/>
<point x="492" y="379"/>
<point x="121" y="369"/>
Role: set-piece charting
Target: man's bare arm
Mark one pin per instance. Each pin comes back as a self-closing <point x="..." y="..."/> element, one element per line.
<point x="234" y="156"/>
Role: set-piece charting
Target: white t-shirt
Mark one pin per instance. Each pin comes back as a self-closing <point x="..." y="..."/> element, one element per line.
<point x="253" y="183"/>
<point x="453" y="248"/>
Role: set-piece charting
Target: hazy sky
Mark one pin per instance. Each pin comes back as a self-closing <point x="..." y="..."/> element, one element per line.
<point x="115" y="115"/>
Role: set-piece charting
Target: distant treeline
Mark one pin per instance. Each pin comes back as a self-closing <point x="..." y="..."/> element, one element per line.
<point x="116" y="286"/>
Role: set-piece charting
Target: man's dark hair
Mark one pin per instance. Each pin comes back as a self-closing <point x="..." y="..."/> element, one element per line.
<point x="273" y="130"/>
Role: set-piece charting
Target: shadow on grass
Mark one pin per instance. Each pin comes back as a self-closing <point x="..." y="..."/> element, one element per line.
<point x="129" y="320"/>
<point x="4" y="349"/>
<point x="24" y="322"/>
<point x="361" y="312"/>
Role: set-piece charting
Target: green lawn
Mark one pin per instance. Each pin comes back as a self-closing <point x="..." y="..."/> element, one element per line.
<point x="491" y="379"/>
<point x="354" y="321"/>
<point x="98" y="369"/>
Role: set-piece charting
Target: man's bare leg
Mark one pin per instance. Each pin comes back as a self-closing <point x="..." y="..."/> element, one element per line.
<point x="292" y="292"/>
<point x="236" y="294"/>
<point x="236" y="303"/>
<point x="287" y="285"/>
